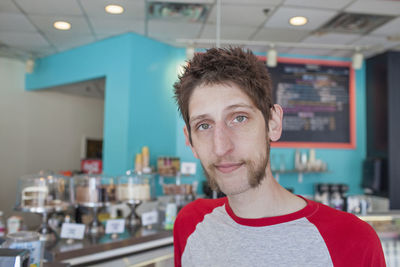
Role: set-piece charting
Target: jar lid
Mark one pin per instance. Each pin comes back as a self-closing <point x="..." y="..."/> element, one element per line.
<point x="24" y="236"/>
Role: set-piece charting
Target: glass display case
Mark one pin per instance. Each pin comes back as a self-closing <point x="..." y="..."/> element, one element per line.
<point x="387" y="226"/>
<point x="180" y="193"/>
<point x="133" y="188"/>
<point x="41" y="192"/>
<point x="94" y="192"/>
<point x="44" y="193"/>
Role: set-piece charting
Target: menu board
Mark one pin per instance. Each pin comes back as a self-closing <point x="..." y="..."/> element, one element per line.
<point x="317" y="98"/>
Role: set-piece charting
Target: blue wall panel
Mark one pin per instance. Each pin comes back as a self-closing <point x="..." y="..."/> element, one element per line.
<point x="153" y="75"/>
<point x="139" y="109"/>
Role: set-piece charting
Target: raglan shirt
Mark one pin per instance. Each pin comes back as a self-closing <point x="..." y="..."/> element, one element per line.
<point x="208" y="233"/>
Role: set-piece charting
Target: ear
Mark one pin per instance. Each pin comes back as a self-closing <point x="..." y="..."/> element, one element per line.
<point x="275" y="123"/>
<point x="187" y="142"/>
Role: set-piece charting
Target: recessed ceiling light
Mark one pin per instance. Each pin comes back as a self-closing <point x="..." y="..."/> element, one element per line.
<point x="114" y="9"/>
<point x="62" y="25"/>
<point x="298" y="21"/>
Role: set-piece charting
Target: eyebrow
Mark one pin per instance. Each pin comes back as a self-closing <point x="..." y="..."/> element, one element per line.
<point x="234" y="106"/>
<point x="241" y="106"/>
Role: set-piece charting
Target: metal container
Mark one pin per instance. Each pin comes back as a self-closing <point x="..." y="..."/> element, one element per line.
<point x="26" y="240"/>
<point x="14" y="257"/>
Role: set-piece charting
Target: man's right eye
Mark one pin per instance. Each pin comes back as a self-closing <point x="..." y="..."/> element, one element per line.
<point x="203" y="126"/>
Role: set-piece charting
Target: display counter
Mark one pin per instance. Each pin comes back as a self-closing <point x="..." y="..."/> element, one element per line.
<point x="387" y="226"/>
<point x="106" y="247"/>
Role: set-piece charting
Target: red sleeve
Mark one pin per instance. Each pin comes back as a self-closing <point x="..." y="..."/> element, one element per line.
<point x="350" y="241"/>
<point x="186" y="222"/>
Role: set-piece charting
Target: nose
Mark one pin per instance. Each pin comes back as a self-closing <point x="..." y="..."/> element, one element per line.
<point x="223" y="144"/>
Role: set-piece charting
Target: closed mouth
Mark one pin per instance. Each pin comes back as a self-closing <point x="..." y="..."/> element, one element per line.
<point x="228" y="167"/>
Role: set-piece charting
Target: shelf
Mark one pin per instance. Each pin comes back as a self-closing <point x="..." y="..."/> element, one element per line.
<point x="297" y="171"/>
<point x="300" y="173"/>
<point x="175" y="176"/>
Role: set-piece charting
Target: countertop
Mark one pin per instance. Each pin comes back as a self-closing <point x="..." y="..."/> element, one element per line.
<point x="105" y="247"/>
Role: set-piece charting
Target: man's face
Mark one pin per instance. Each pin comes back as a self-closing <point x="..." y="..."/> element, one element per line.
<point x="229" y="137"/>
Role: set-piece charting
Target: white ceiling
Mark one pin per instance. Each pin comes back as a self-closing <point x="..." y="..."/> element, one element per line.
<point x="26" y="25"/>
<point x="91" y="88"/>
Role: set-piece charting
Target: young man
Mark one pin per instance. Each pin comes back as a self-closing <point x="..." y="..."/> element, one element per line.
<point x="224" y="96"/>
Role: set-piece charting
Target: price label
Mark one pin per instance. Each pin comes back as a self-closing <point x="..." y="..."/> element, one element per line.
<point x="188" y="168"/>
<point x="115" y="226"/>
<point x="149" y="218"/>
<point x="72" y="230"/>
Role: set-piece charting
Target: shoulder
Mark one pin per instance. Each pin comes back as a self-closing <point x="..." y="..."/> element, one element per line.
<point x="340" y="222"/>
<point x="199" y="208"/>
<point x="187" y="220"/>
<point x="348" y="238"/>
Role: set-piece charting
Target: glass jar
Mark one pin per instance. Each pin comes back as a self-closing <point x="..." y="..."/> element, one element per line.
<point x="135" y="187"/>
<point x="27" y="240"/>
<point x="93" y="189"/>
<point x="42" y="191"/>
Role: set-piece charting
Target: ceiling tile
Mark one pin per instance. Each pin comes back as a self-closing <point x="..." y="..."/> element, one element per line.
<point x="132" y="9"/>
<point x="207" y="46"/>
<point x="50" y="7"/>
<point x="371" y="53"/>
<point x="254" y="2"/>
<point x="304" y="51"/>
<point x="240" y="20"/>
<point x="262" y="50"/>
<point x="342" y="53"/>
<point x="228" y="32"/>
<point x="13" y="53"/>
<point x="173" y="30"/>
<point x="316" y="17"/>
<point x="280" y="35"/>
<point x="244" y="15"/>
<point x="115" y="27"/>
<point x="378" y="42"/>
<point x="8" y="6"/>
<point x="187" y="1"/>
<point x="375" y="7"/>
<point x="15" y="22"/>
<point x="37" y="52"/>
<point x="69" y="40"/>
<point x="22" y="39"/>
<point x="42" y="51"/>
<point x="331" y="38"/>
<point x="390" y="28"/>
<point x="105" y="36"/>
<point x="396" y="48"/>
<point x="45" y="23"/>
<point x="336" y="5"/>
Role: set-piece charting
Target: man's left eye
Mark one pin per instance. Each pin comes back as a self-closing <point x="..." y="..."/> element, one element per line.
<point x="240" y="119"/>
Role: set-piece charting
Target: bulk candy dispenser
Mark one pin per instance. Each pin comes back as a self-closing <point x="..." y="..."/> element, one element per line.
<point x="44" y="194"/>
<point x="94" y="192"/>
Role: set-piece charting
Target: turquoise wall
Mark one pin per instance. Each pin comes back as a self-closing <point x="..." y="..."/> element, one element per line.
<point x="345" y="165"/>
<point x="139" y="109"/>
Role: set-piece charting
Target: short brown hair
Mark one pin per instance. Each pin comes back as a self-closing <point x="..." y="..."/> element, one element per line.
<point x="221" y="66"/>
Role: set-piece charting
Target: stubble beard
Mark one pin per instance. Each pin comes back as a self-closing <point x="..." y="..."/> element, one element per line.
<point x="256" y="172"/>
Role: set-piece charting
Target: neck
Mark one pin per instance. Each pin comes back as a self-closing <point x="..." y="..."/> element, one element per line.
<point x="266" y="200"/>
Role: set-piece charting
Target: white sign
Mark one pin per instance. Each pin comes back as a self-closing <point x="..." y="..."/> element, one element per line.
<point x="72" y="230"/>
<point x="149" y="218"/>
<point x="115" y="226"/>
<point x="188" y="168"/>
